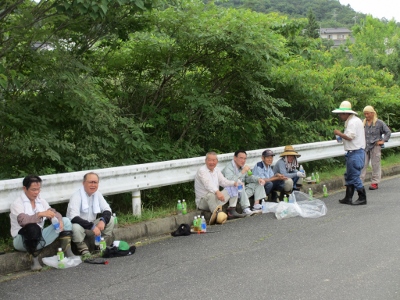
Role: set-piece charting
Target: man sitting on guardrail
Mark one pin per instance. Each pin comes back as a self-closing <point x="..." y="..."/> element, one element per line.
<point x="207" y="181"/>
<point x="273" y="182"/>
<point x="28" y="214"/>
<point x="83" y="208"/>
<point x="252" y="185"/>
<point x="354" y="143"/>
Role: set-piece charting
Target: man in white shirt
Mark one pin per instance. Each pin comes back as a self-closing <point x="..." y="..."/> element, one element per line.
<point x="207" y="181"/>
<point x="354" y="145"/>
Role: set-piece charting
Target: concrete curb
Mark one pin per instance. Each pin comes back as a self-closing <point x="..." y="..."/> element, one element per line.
<point x="20" y="261"/>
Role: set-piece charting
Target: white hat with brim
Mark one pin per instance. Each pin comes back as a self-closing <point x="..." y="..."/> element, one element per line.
<point x="345" y="108"/>
<point x="218" y="216"/>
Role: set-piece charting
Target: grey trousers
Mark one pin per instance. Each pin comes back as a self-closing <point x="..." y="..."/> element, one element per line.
<point x="78" y="232"/>
<point x="375" y="157"/>
<point x="210" y="201"/>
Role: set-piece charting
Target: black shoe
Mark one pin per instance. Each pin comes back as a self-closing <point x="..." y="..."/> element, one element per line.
<point x="362" y="197"/>
<point x="233" y="214"/>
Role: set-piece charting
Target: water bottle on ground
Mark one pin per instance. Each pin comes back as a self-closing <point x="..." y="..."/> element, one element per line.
<point x="325" y="191"/>
<point x="317" y="177"/>
<point x="97" y="239"/>
<point x="285" y="199"/>
<point x="102" y="245"/>
<point x="312" y="176"/>
<point x="60" y="259"/>
<point x="115" y="221"/>
<point x="179" y="207"/>
<point x="184" y="207"/>
<point x="203" y="225"/>
<point x="56" y="224"/>
<point x="310" y="194"/>
<point x="195" y="224"/>
<point x="264" y="206"/>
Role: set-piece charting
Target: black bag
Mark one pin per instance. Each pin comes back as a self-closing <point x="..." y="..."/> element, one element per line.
<point x="118" y="249"/>
<point x="183" y="229"/>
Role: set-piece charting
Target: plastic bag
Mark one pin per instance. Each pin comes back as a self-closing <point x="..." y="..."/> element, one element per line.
<point x="270" y="207"/>
<point x="286" y="210"/>
<point x="69" y="262"/>
<point x="312" y="209"/>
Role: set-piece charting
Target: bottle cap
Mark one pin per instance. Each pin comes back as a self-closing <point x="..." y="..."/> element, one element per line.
<point x="102" y="239"/>
<point x="179" y="201"/>
<point x="59" y="249"/>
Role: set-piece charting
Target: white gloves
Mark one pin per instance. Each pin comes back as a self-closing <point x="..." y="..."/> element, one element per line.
<point x="301" y="174"/>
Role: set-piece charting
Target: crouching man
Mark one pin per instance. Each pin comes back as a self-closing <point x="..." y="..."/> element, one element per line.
<point x="28" y="214"/>
<point x="83" y="207"/>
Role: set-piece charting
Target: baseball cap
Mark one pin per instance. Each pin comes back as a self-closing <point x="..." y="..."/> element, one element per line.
<point x="267" y="153"/>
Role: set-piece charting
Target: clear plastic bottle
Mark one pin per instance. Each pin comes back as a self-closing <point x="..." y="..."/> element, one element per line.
<point x="240" y="186"/>
<point x="317" y="177"/>
<point x="285" y="198"/>
<point x="312" y="176"/>
<point x="325" y="191"/>
<point x="195" y="224"/>
<point x="56" y="224"/>
<point x="203" y="225"/>
<point x="264" y="207"/>
<point x="60" y="259"/>
<point x="184" y="207"/>
<point x="97" y="239"/>
<point x="310" y="194"/>
<point x="102" y="245"/>
<point x="179" y="207"/>
<point x="115" y="220"/>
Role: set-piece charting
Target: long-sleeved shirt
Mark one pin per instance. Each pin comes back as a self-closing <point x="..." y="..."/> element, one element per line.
<point x="373" y="134"/>
<point x="207" y="181"/>
<point x="280" y="168"/>
<point x="20" y="217"/>
<point x="264" y="171"/>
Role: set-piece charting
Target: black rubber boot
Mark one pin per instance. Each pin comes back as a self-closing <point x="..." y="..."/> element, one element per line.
<point x="65" y="242"/>
<point x="233" y="214"/>
<point x="348" y="199"/>
<point x="362" y="197"/>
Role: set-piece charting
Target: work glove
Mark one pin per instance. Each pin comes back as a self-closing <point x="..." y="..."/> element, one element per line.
<point x="301" y="174"/>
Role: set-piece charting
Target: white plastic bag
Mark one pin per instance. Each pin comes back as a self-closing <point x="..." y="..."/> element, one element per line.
<point x="270" y="207"/>
<point x="312" y="209"/>
<point x="69" y="262"/>
<point x="287" y="210"/>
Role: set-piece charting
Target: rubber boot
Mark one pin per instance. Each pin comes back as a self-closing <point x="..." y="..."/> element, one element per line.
<point x="362" y="197"/>
<point x="348" y="199"/>
<point x="233" y="214"/>
<point x="82" y="248"/>
<point x="65" y="242"/>
<point x="35" y="264"/>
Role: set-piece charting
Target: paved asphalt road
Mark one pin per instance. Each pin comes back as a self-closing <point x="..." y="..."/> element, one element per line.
<point x="351" y="253"/>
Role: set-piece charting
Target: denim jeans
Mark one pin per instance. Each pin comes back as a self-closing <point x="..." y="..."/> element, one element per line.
<point x="354" y="164"/>
<point x="276" y="185"/>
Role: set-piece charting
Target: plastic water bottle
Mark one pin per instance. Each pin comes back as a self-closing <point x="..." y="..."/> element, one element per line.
<point x="264" y="207"/>
<point x="325" y="191"/>
<point x="56" y="224"/>
<point x="312" y="176"/>
<point x="97" y="239"/>
<point x="339" y="139"/>
<point x="203" y="225"/>
<point x="383" y="145"/>
<point x="310" y="194"/>
<point x="317" y="177"/>
<point x="179" y="207"/>
<point x="249" y="172"/>
<point x="60" y="259"/>
<point x="115" y="221"/>
<point x="102" y="245"/>
<point x="285" y="198"/>
<point x="195" y="224"/>
<point x="240" y="186"/>
<point x="301" y="169"/>
<point x="184" y="207"/>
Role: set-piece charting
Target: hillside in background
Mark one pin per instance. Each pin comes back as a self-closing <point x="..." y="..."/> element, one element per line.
<point x="329" y="13"/>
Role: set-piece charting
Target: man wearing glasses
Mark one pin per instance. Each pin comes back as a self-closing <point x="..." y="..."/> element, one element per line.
<point x="90" y="214"/>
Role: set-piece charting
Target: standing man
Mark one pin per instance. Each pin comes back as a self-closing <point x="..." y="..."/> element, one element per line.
<point x="376" y="134"/>
<point x="28" y="213"/>
<point x="207" y="181"/>
<point x="252" y="185"/>
<point x="273" y="182"/>
<point x="354" y="144"/>
<point x="83" y="208"/>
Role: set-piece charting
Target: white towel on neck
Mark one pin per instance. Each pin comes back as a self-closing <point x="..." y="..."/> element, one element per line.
<point x="85" y="203"/>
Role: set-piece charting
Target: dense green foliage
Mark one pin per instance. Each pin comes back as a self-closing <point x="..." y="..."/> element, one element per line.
<point x="93" y="84"/>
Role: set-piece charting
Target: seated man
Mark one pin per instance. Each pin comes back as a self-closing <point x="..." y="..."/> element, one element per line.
<point x="253" y="185"/>
<point x="83" y="207"/>
<point x="28" y="213"/>
<point x="287" y="166"/>
<point x="273" y="182"/>
<point x="206" y="184"/>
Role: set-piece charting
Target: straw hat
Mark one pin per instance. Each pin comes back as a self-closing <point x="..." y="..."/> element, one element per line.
<point x="289" y="150"/>
<point x="345" y="108"/>
<point x="218" y="216"/>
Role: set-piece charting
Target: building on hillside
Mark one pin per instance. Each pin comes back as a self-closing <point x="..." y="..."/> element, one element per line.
<point x="337" y="35"/>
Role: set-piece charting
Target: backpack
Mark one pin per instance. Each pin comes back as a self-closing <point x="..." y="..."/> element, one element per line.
<point x="118" y="249"/>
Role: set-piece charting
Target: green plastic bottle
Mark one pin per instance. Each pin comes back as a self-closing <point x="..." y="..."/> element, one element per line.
<point x="184" y="207"/>
<point x="325" y="191"/>
<point x="285" y="198"/>
<point x="249" y="172"/>
<point x="115" y="220"/>
<point x="60" y="258"/>
<point x="103" y="245"/>
<point x="317" y="177"/>
<point x="179" y="207"/>
<point x="310" y="194"/>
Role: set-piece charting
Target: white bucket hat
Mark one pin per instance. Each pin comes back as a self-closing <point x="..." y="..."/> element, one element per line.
<point x="345" y="108"/>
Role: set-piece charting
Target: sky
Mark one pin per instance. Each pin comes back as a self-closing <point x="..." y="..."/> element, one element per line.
<point x="377" y="8"/>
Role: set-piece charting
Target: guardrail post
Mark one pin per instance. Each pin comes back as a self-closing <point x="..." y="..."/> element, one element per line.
<point x="136" y="203"/>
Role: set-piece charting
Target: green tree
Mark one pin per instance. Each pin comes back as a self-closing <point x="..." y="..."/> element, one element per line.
<point x="312" y="28"/>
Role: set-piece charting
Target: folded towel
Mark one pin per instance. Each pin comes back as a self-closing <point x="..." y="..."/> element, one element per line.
<point x="85" y="203"/>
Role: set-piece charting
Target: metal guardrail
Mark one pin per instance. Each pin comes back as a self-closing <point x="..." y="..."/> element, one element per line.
<point x="58" y="188"/>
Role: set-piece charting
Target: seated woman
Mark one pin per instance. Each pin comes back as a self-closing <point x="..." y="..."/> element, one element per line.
<point x="288" y="167"/>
